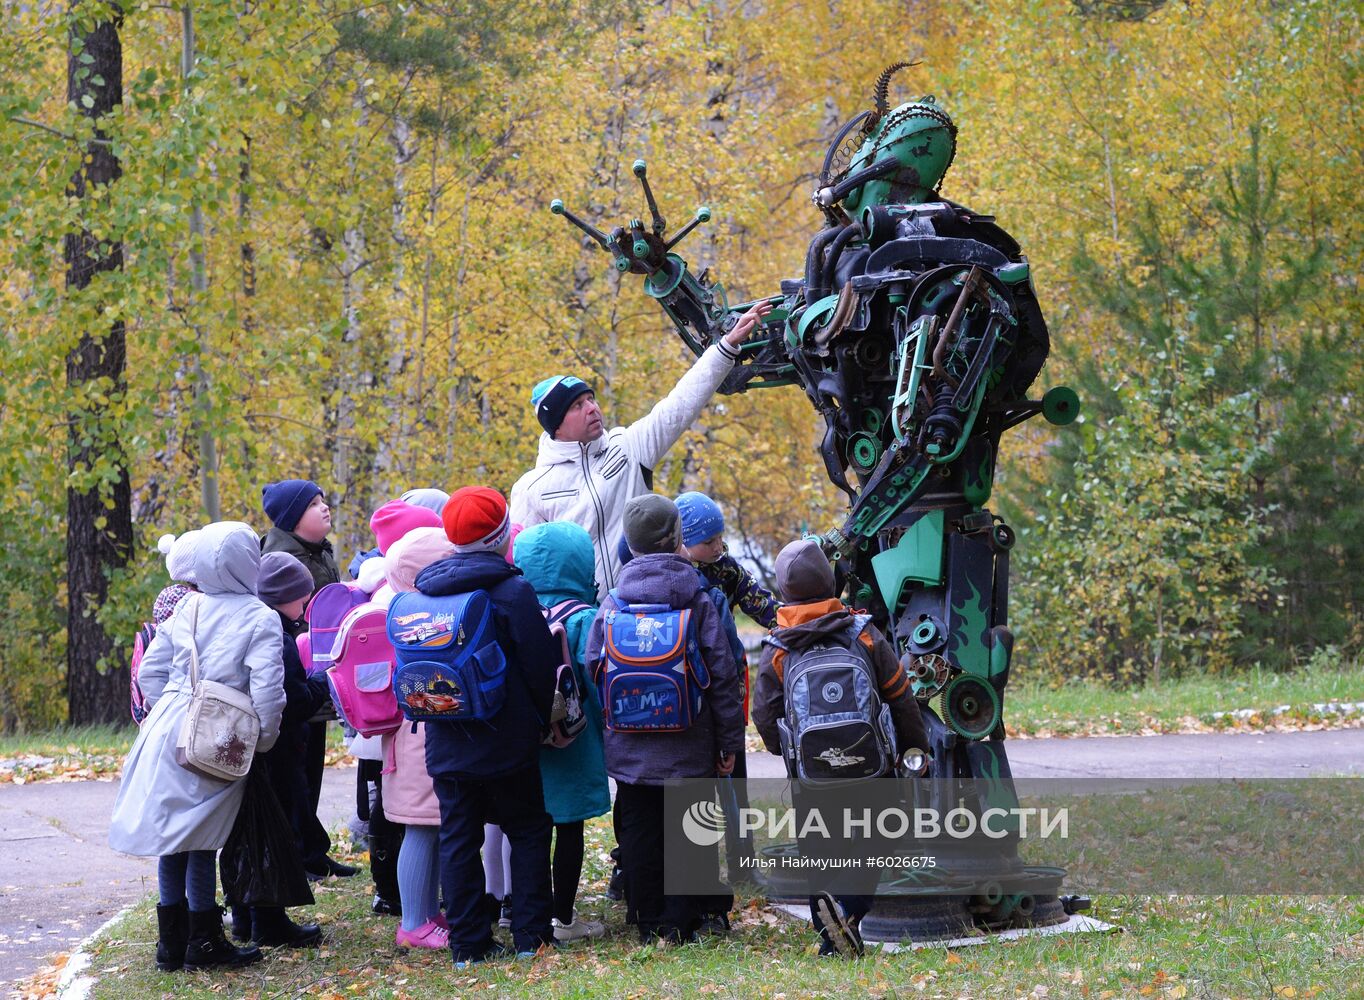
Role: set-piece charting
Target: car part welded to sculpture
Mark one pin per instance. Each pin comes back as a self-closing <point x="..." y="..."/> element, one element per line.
<point x="916" y="333"/>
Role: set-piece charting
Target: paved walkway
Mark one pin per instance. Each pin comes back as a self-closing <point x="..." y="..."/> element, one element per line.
<point x="59" y="880"/>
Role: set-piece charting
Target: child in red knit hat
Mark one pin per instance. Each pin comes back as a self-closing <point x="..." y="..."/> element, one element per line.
<point x="489" y="771"/>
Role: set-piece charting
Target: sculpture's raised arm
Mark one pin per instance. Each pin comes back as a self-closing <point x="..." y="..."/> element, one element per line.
<point x="695" y="304"/>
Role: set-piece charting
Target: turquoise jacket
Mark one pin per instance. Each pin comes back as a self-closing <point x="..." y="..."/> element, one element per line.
<point x="558" y="560"/>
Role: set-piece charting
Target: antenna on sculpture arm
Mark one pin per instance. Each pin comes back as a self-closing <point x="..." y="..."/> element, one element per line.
<point x="557" y="207"/>
<point x="641" y="171"/>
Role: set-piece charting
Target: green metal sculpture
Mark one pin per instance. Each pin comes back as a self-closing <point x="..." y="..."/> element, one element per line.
<point x="916" y="333"/>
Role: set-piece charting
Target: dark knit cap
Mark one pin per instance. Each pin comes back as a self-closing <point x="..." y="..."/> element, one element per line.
<point x="286" y="500"/>
<point x="652" y="524"/>
<point x="804" y="573"/>
<point x="553" y="396"/>
<point x="282" y="579"/>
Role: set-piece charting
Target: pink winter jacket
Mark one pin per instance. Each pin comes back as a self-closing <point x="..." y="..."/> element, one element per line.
<point x="408" y="795"/>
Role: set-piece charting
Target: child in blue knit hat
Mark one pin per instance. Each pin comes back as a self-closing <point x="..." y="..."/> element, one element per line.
<point x="703" y="536"/>
<point x="302" y="520"/>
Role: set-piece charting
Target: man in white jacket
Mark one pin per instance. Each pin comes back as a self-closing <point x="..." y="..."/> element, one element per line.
<point x="585" y="473"/>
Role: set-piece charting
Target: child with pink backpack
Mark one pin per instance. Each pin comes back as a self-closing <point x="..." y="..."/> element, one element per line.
<point x="409" y="797"/>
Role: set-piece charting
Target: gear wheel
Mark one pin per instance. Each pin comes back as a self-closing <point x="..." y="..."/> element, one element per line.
<point x="927" y="674"/>
<point x="970" y="706"/>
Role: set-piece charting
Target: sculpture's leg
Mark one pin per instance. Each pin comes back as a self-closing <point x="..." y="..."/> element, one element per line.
<point x="948" y="574"/>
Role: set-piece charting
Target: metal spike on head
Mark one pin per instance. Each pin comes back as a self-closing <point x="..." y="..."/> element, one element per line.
<point x="881" y="96"/>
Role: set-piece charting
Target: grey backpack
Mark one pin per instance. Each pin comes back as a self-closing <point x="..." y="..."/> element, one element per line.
<point x="837" y="729"/>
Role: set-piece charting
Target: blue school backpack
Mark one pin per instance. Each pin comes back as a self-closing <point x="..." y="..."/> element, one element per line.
<point x="450" y="667"/>
<point x="651" y="677"/>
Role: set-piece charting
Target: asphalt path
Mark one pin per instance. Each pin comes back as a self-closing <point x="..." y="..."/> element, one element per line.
<point x="59" y="881"/>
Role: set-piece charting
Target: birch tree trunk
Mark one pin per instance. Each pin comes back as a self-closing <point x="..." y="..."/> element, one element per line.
<point x="208" y="446"/>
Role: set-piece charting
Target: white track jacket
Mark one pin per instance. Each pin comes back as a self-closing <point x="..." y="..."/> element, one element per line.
<point x="589" y="484"/>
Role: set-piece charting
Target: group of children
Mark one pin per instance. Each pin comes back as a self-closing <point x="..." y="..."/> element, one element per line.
<point x="491" y="818"/>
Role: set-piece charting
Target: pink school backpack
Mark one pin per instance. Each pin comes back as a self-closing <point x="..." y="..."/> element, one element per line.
<point x="145" y="634"/>
<point x="326" y="611"/>
<point x="361" y="672"/>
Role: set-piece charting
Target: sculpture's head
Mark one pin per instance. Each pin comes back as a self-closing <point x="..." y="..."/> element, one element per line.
<point x="919" y="136"/>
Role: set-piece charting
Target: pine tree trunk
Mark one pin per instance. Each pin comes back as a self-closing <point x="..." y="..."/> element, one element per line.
<point x="99" y="528"/>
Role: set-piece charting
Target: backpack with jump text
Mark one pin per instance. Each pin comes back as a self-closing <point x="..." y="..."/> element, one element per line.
<point x="361" y="674"/>
<point x="450" y="666"/>
<point x="651" y="677"/>
<point x="837" y="729"/>
<point x="568" y="717"/>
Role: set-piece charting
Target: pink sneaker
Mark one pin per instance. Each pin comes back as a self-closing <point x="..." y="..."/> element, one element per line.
<point x="428" y="935"/>
<point x="440" y="921"/>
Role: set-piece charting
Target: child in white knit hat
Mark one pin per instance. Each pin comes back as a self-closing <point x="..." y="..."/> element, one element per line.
<point x="179" y="553"/>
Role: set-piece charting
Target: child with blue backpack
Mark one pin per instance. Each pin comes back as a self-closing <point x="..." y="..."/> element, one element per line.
<point x="559" y="562"/>
<point x="650" y="741"/>
<point x="476" y="663"/>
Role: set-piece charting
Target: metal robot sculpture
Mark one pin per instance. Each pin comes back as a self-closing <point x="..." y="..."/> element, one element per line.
<point x="916" y="333"/>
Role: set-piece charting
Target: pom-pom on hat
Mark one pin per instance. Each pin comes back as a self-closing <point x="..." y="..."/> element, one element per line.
<point x="553" y="396"/>
<point x="701" y="518"/>
<point x="396" y="518"/>
<point x="412" y="553"/>
<point x="286" y="500"/>
<point x="804" y="573"/>
<point x="179" y="553"/>
<point x="652" y="525"/>
<point x="282" y="579"/>
<point x="476" y="519"/>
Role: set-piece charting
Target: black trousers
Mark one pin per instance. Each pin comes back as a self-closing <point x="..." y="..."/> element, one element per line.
<point x="857" y="886"/>
<point x="639" y="831"/>
<point x="516" y="803"/>
<point x="316" y="841"/>
<point x="733" y="793"/>
<point x="567" y="868"/>
<point x="385" y="836"/>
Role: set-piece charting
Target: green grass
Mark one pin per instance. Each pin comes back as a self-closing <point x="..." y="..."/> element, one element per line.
<point x="1034" y="707"/>
<point x="1170" y="947"/>
<point x="73" y="752"/>
<point x="80" y="751"/>
<point x="84" y="739"/>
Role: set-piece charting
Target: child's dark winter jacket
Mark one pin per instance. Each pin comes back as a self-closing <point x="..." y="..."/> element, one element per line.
<point x="510" y="741"/>
<point x="286" y="762"/>
<point x="742" y="590"/>
<point x="303" y="695"/>
<point x="652" y="758"/>
<point x="317" y="556"/>
<point x="802" y="625"/>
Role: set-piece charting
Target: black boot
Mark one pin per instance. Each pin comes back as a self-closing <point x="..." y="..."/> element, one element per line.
<point x="241" y="922"/>
<point x="208" y="946"/>
<point x="270" y="926"/>
<point x="172" y="933"/>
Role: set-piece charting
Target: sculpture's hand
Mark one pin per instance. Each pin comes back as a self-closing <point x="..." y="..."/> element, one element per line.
<point x="747" y="323"/>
